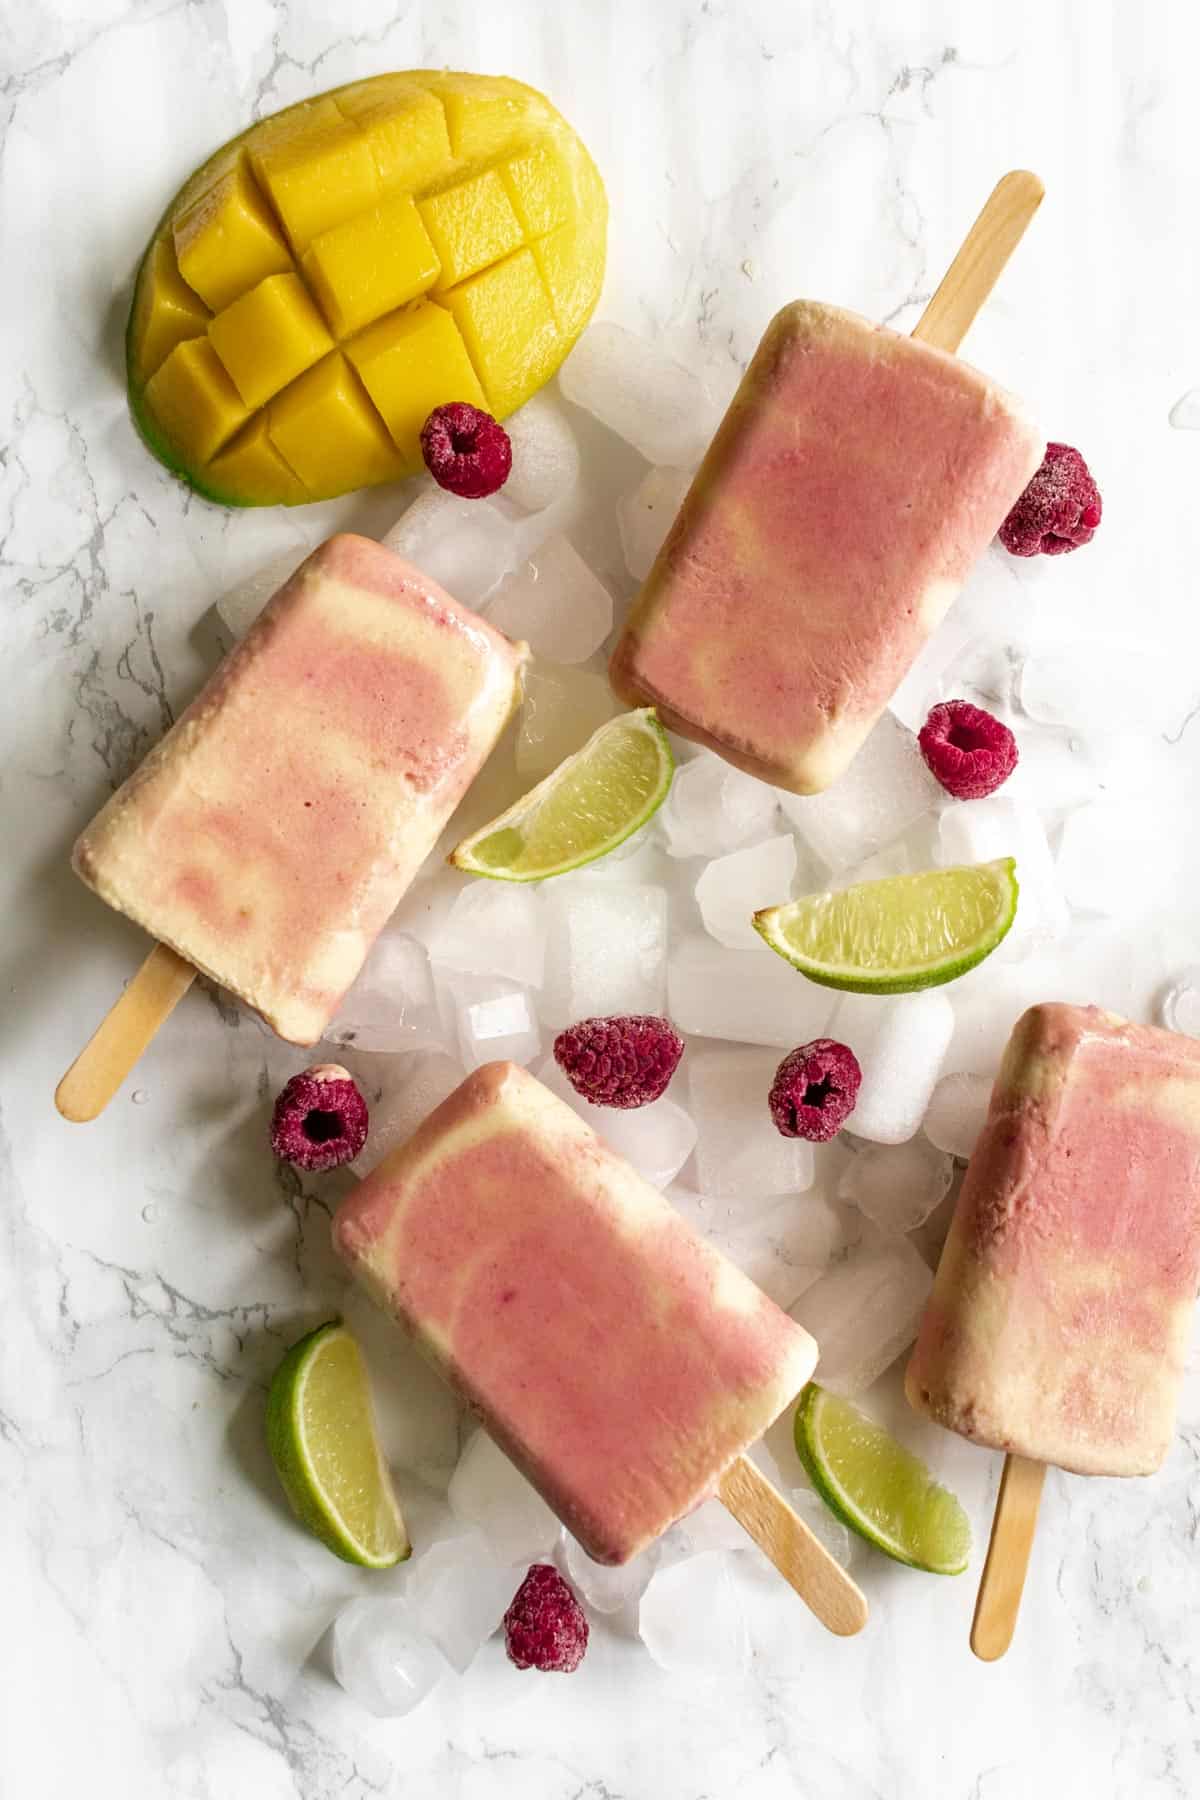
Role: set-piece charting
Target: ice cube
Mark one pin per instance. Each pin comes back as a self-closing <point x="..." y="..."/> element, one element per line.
<point x="864" y="1312"/>
<point x="739" y="1152"/>
<point x="987" y="1004"/>
<point x="885" y="790"/>
<point x="555" y="603"/>
<point x="783" y="1245"/>
<point x="241" y="605"/>
<point x="921" y="687"/>
<point x="898" y="1185"/>
<point x="710" y="1526"/>
<point x="545" y="455"/>
<point x="562" y="708"/>
<point x="1055" y="773"/>
<point x="691" y="1619"/>
<point x="1106" y="685"/>
<point x="645" y="516"/>
<point x="1185" y="414"/>
<point x="1114" y="860"/>
<point x="606" y="950"/>
<point x="490" y="1492"/>
<point x="459" y="1591"/>
<point x="734" y="887"/>
<point x="494" y="928"/>
<point x="391" y="1006"/>
<point x="424" y="1082"/>
<point x="956" y="1113"/>
<point x="655" y="404"/>
<point x="495" y="1018"/>
<point x="976" y="831"/>
<point x="899" y="1042"/>
<point x="982" y="671"/>
<point x="468" y="546"/>
<point x="893" y="859"/>
<point x="713" y="808"/>
<point x="605" y="1588"/>
<point x="382" y="1657"/>
<point x="1179" y="1008"/>
<point x="841" y="1544"/>
<point x="749" y="996"/>
<point x="813" y="1228"/>
<point x="657" y="1139"/>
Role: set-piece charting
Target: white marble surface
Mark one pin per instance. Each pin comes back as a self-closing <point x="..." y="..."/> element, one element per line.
<point x="158" y="1607"/>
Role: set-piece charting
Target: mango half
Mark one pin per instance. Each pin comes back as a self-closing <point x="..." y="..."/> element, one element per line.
<point x="326" y="279"/>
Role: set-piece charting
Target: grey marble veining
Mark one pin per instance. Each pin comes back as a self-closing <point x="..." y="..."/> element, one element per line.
<point x="160" y="1610"/>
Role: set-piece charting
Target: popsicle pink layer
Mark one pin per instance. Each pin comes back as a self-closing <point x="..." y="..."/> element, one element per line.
<point x="854" y="481"/>
<point x="619" y="1360"/>
<point x="1062" y="1308"/>
<point x="271" y="833"/>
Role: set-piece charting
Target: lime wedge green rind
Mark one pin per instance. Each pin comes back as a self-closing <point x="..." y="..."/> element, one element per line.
<point x="322" y="1439"/>
<point x="898" y="935"/>
<point x="878" y="1488"/>
<point x="583" y="809"/>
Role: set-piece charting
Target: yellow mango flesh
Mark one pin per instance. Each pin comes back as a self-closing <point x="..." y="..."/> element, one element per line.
<point x="327" y="279"/>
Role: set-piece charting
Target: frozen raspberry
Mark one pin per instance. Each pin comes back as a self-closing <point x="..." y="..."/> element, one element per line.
<point x="1059" y="510"/>
<point x="544" y="1628"/>
<point x="969" y="751"/>
<point x="465" y="450"/>
<point x="815" y="1089"/>
<point x="621" y="1061"/>
<point x="320" y="1119"/>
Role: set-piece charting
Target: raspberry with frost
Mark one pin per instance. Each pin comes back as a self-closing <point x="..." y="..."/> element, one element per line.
<point x="544" y="1628"/>
<point x="621" y="1061"/>
<point x="320" y="1119"/>
<point x="465" y="450"/>
<point x="968" y="750"/>
<point x="1059" y="510"/>
<point x="815" y="1090"/>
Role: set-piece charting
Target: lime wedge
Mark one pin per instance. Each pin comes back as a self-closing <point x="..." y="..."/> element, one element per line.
<point x="321" y="1434"/>
<point x="877" y="1487"/>
<point x="899" y="935"/>
<point x="586" y="807"/>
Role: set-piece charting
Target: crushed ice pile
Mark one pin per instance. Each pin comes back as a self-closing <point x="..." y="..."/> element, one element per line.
<point x="845" y="1235"/>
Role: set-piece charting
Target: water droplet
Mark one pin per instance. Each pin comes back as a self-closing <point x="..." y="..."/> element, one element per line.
<point x="1185" y="414"/>
<point x="150" y="1213"/>
<point x="140" y="1096"/>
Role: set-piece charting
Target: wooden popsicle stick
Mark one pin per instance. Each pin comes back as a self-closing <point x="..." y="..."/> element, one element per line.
<point x="984" y="251"/>
<point x="801" y="1558"/>
<point x="123" y="1034"/>
<point x="1002" y="1583"/>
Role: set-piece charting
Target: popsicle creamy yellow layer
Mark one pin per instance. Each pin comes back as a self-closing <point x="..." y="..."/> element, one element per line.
<point x="271" y="833"/>
<point x="620" y="1361"/>
<point x="1060" y="1316"/>
<point x="855" y="479"/>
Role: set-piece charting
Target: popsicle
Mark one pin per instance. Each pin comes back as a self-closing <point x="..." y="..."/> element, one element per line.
<point x="855" y="479"/>
<point x="621" y="1362"/>
<point x="1060" y="1316"/>
<point x="268" y="837"/>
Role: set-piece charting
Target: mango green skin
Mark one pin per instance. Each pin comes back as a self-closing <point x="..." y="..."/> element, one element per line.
<point x="135" y="379"/>
<point x="570" y="259"/>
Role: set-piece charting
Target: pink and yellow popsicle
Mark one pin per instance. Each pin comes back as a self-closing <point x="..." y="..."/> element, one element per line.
<point x="1061" y="1312"/>
<point x="620" y="1361"/>
<point x="855" y="479"/>
<point x="271" y="833"/>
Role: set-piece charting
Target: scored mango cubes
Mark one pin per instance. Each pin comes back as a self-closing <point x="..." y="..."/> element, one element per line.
<point x="326" y="280"/>
<point x="407" y="361"/>
<point x="371" y="264"/>
<point x="269" y="336"/>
